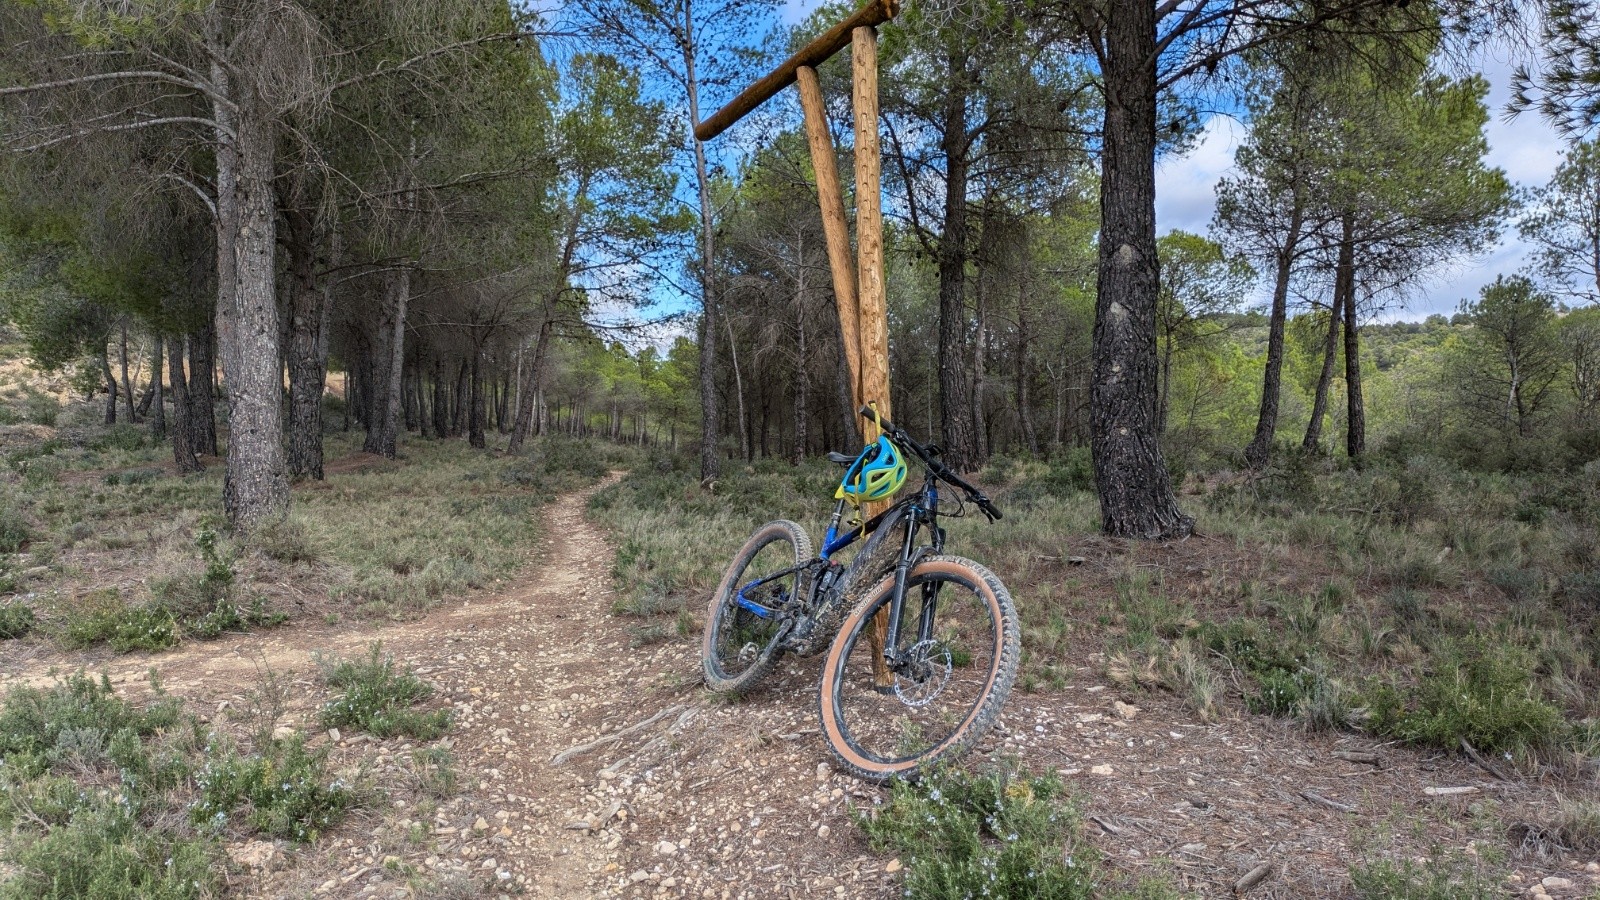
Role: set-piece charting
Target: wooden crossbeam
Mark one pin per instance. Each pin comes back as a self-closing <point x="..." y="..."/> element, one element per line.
<point x="811" y="55"/>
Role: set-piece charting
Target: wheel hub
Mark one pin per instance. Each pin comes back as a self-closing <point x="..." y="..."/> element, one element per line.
<point x="924" y="671"/>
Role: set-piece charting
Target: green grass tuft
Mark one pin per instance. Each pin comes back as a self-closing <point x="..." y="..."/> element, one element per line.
<point x="377" y="698"/>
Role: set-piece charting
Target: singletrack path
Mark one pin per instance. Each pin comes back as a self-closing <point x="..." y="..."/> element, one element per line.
<point x="590" y="767"/>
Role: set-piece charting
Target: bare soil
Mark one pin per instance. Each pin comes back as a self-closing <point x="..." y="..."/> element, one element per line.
<point x="717" y="799"/>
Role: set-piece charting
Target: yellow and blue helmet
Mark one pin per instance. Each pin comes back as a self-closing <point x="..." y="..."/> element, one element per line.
<point x="877" y="473"/>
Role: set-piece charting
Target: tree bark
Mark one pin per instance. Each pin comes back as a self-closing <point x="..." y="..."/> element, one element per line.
<point x="158" y="409"/>
<point x="1136" y="497"/>
<point x="127" y="384"/>
<point x="1330" y="354"/>
<point x="532" y="376"/>
<point x="458" y="422"/>
<point x="400" y="299"/>
<point x="441" y="401"/>
<point x="307" y="376"/>
<point x="202" y="397"/>
<point x="956" y="414"/>
<point x="710" y="460"/>
<point x="475" y="402"/>
<point x="1356" y="415"/>
<point x="1259" y="453"/>
<point x="111" y="386"/>
<point x="183" y="419"/>
<point x="375" y="378"/>
<point x="255" y="489"/>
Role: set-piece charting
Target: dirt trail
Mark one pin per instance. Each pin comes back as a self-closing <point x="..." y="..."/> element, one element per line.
<point x="666" y="792"/>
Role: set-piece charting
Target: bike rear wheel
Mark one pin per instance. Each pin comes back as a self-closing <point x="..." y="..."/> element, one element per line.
<point x="741" y="639"/>
<point x="956" y="670"/>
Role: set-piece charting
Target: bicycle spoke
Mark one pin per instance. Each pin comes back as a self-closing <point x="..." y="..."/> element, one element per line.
<point x="939" y="682"/>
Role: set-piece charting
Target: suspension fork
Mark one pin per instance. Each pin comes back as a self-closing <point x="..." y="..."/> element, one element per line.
<point x="897" y="600"/>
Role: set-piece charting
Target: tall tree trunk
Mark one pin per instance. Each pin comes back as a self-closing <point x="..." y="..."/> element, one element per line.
<point x="400" y="298"/>
<point x="183" y="419"/>
<point x="1136" y="497"/>
<point x="956" y="415"/>
<point x="127" y="384"/>
<point x="307" y="377"/>
<point x="255" y="489"/>
<point x="441" y="400"/>
<point x="533" y="373"/>
<point x="1356" y="414"/>
<point x="475" y="402"/>
<point x="202" y="381"/>
<point x="1259" y="453"/>
<point x="802" y="385"/>
<point x="375" y="378"/>
<point x="1030" y="434"/>
<point x="158" y="409"/>
<point x="1330" y="354"/>
<point x="710" y="460"/>
<point x="738" y="393"/>
<point x="458" y="422"/>
<point x="111" y="386"/>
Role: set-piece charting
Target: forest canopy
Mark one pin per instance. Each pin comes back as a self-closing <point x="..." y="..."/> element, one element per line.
<point x="467" y="221"/>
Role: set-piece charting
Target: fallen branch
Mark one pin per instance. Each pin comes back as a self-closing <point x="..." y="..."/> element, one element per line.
<point x="1105" y="826"/>
<point x="1448" y="791"/>
<point x="1483" y="764"/>
<point x="1358" y="756"/>
<point x="1252" y="878"/>
<point x="563" y="756"/>
<point x="1334" y="805"/>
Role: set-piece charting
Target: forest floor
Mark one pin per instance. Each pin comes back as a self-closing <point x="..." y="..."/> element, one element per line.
<point x="664" y="790"/>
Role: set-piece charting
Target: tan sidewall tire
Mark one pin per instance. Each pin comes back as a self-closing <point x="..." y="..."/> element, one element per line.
<point x="1007" y="655"/>
<point x="779" y="529"/>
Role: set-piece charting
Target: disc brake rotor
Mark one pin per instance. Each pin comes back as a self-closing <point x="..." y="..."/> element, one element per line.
<point x="924" y="673"/>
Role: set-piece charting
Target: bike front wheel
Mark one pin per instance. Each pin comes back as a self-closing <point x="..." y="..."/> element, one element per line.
<point x="955" y="661"/>
<point x="743" y="624"/>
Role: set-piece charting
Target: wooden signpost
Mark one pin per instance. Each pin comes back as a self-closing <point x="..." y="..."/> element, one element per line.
<point x="858" y="286"/>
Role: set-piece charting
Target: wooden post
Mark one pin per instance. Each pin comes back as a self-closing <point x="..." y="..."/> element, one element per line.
<point x="835" y="225"/>
<point x="874" y="313"/>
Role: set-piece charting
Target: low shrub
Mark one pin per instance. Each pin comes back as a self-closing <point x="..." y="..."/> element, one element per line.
<point x="377" y="698"/>
<point x="1445" y="878"/>
<point x="996" y="835"/>
<point x="283" y="790"/>
<point x="14" y="531"/>
<point x="1477" y="690"/>
<point x="16" y="620"/>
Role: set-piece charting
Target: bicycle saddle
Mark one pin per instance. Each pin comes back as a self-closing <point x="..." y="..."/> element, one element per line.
<point x="843" y="459"/>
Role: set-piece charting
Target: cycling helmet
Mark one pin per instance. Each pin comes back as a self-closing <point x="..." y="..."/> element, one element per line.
<point x="877" y="473"/>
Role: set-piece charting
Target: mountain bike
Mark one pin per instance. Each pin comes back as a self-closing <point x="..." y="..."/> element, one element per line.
<point x="922" y="646"/>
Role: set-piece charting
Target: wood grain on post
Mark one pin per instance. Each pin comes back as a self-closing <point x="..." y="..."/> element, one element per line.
<point x="874" y="313"/>
<point x="835" y="224"/>
<point x="876" y="12"/>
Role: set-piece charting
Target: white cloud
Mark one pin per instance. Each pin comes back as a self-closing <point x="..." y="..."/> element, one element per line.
<point x="1526" y="147"/>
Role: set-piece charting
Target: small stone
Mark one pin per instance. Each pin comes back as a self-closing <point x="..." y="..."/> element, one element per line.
<point x="893" y="865"/>
<point x="822" y="770"/>
<point x="1555" y="882"/>
<point x="822" y="831"/>
<point x="481" y="825"/>
<point x="334" y="735"/>
<point x="666" y="848"/>
<point x="1102" y="770"/>
<point x="1592" y="868"/>
<point x="254" y="855"/>
<point x="283" y="732"/>
<point x="1125" y="711"/>
<point x="638" y="876"/>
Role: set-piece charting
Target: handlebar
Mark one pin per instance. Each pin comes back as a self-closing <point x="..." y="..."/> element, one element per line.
<point x="939" y="469"/>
